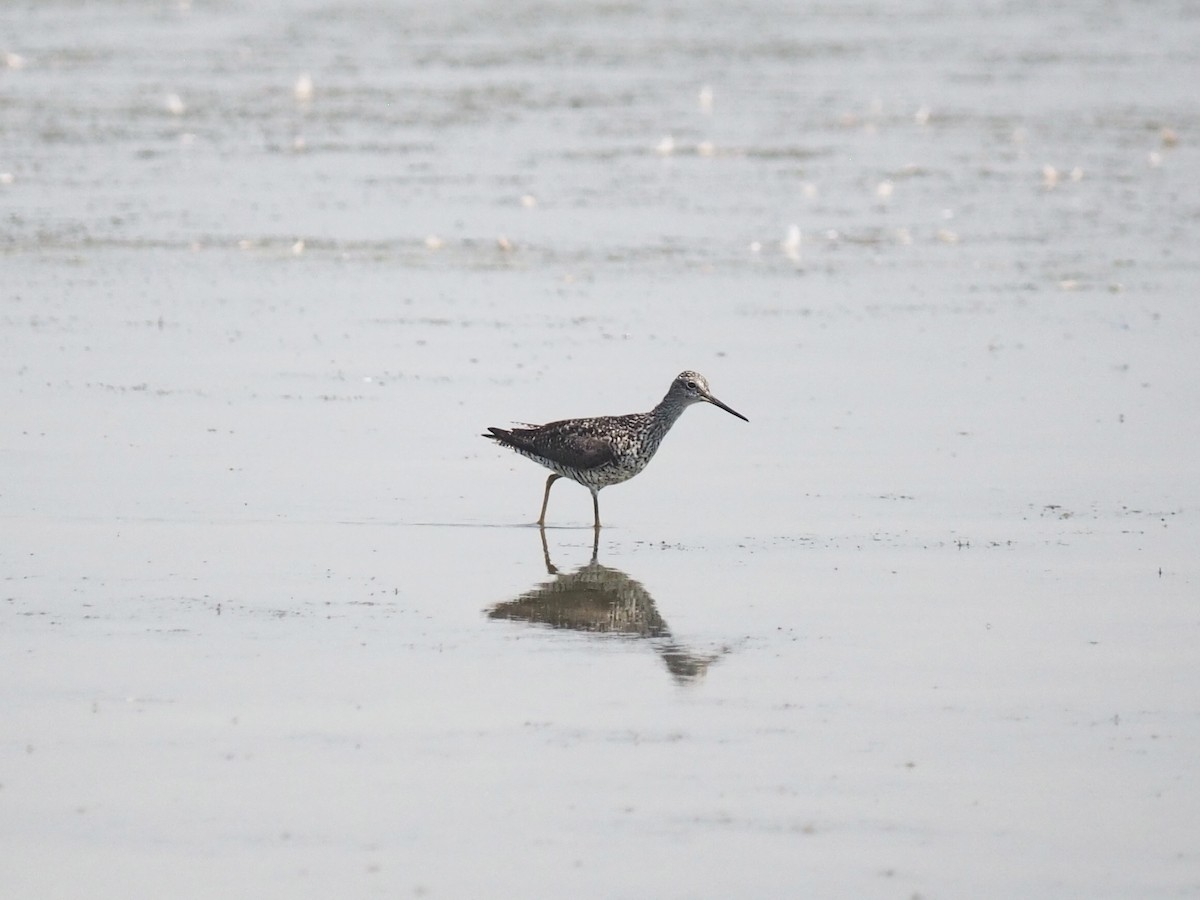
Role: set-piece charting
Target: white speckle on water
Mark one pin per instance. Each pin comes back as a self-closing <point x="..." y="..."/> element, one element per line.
<point x="791" y="242"/>
<point x="303" y="88"/>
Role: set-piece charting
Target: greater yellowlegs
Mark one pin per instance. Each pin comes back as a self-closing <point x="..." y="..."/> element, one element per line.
<point x="605" y="450"/>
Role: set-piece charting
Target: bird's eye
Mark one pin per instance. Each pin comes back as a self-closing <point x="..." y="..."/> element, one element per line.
<point x="691" y="385"/>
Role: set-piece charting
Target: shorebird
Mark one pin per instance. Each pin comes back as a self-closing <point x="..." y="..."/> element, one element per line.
<point x="605" y="450"/>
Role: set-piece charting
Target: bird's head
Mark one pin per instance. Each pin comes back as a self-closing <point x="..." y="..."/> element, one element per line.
<point x="691" y="387"/>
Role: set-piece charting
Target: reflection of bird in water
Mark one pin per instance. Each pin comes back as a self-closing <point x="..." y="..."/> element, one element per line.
<point x="603" y="600"/>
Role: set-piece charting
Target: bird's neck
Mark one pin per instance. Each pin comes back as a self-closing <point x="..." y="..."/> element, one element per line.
<point x="667" y="413"/>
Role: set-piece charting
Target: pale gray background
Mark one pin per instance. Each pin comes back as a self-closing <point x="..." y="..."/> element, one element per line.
<point x="249" y="534"/>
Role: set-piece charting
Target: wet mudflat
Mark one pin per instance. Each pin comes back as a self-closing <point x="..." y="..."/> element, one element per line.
<point x="275" y="619"/>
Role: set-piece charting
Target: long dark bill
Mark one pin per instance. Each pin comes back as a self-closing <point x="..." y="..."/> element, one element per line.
<point x="715" y="402"/>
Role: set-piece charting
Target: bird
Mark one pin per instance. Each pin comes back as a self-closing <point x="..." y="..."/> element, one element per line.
<point x="605" y="450"/>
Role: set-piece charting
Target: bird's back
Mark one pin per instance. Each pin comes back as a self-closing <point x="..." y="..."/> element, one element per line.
<point x="596" y="451"/>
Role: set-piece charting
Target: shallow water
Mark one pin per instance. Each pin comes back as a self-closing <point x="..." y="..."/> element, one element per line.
<point x="276" y="620"/>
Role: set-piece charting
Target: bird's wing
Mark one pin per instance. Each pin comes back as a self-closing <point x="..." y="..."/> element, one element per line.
<point x="571" y="445"/>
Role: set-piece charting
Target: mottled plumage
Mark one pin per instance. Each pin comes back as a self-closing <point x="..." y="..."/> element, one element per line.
<point x="605" y="450"/>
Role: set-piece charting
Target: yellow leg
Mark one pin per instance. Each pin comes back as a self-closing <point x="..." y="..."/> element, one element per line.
<point x="546" y="500"/>
<point x="596" y="507"/>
